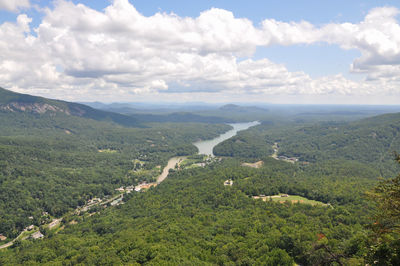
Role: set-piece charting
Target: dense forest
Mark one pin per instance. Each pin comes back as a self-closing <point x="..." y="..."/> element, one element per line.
<point x="192" y="218"/>
<point x="53" y="160"/>
<point x="371" y="140"/>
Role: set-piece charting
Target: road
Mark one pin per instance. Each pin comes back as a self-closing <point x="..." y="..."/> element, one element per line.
<point x="170" y="165"/>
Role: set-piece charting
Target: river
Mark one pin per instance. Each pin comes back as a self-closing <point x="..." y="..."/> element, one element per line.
<point x="171" y="165"/>
<point x="206" y="146"/>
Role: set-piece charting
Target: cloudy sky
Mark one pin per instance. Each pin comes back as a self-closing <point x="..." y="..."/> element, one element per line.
<point x="308" y="51"/>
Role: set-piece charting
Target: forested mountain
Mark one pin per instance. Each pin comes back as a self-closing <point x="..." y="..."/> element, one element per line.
<point x="242" y="109"/>
<point x="372" y="140"/>
<point x="182" y="117"/>
<point x="53" y="160"/>
<point x="16" y="102"/>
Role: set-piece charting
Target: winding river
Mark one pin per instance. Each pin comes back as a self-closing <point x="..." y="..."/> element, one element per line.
<point x="206" y="146"/>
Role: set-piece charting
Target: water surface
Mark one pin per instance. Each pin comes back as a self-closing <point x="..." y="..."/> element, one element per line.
<point x="206" y="146"/>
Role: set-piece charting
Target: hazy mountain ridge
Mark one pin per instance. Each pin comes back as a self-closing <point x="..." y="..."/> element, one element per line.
<point x="238" y="108"/>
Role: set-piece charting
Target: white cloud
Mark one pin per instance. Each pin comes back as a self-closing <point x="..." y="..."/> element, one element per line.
<point x="14" y="5"/>
<point x="118" y="51"/>
<point x="377" y="37"/>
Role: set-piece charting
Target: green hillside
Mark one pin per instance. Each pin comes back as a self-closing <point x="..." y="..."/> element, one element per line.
<point x="53" y="161"/>
<point x="371" y="140"/>
<point x="192" y="218"/>
<point x="16" y="102"/>
<point x="53" y="164"/>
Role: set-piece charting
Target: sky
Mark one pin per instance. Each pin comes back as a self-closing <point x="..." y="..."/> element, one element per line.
<point x="303" y="51"/>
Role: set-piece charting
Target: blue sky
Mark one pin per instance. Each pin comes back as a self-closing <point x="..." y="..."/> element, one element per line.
<point x="333" y="59"/>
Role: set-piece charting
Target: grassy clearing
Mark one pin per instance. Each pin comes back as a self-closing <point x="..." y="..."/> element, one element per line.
<point x="290" y="198"/>
<point x="258" y="164"/>
<point x="192" y="162"/>
<point x="297" y="199"/>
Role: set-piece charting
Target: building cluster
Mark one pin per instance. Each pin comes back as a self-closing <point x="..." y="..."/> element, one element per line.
<point x="37" y="235"/>
<point x="93" y="201"/>
<point x="128" y="189"/>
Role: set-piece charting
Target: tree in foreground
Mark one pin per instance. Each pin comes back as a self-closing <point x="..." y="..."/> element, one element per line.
<point x="386" y="228"/>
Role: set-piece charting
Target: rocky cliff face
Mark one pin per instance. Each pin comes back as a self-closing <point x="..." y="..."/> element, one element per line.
<point x="12" y="102"/>
<point x="39" y="108"/>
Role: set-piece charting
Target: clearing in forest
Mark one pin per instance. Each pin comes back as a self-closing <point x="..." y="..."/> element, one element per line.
<point x="282" y="198"/>
<point x="258" y="164"/>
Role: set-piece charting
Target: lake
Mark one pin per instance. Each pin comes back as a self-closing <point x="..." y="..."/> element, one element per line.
<point x="206" y="146"/>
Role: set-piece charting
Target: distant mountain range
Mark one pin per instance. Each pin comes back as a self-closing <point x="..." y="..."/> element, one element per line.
<point x="242" y="109"/>
<point x="16" y="102"/>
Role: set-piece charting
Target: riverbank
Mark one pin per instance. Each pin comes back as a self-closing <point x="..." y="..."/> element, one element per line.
<point x="206" y="146"/>
<point x="170" y="165"/>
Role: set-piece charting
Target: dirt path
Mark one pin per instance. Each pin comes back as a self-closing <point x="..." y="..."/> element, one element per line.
<point x="9" y="244"/>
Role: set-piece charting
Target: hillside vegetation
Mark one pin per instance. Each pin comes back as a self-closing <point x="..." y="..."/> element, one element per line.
<point x="371" y="140"/>
<point x="193" y="218"/>
<point x="52" y="162"/>
<point x="210" y="213"/>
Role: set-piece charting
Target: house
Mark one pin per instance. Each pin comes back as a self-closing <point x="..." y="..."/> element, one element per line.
<point x="54" y="223"/>
<point x="144" y="185"/>
<point x="117" y="201"/>
<point x="120" y="189"/>
<point x="129" y="189"/>
<point x="2" y="237"/>
<point x="30" y="228"/>
<point x="228" y="182"/>
<point x="37" y="235"/>
<point x="94" y="201"/>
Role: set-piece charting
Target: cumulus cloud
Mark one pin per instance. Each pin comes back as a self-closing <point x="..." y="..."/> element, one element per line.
<point x="120" y="51"/>
<point x="14" y="5"/>
<point x="377" y="37"/>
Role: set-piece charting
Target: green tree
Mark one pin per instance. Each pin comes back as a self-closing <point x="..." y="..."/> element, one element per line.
<point x="386" y="228"/>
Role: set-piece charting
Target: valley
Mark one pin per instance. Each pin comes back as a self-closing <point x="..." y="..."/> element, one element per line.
<point x="151" y="193"/>
<point x="210" y="133"/>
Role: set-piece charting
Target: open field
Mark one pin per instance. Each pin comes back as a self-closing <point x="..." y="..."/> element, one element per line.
<point x="290" y="198"/>
<point x="258" y="164"/>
